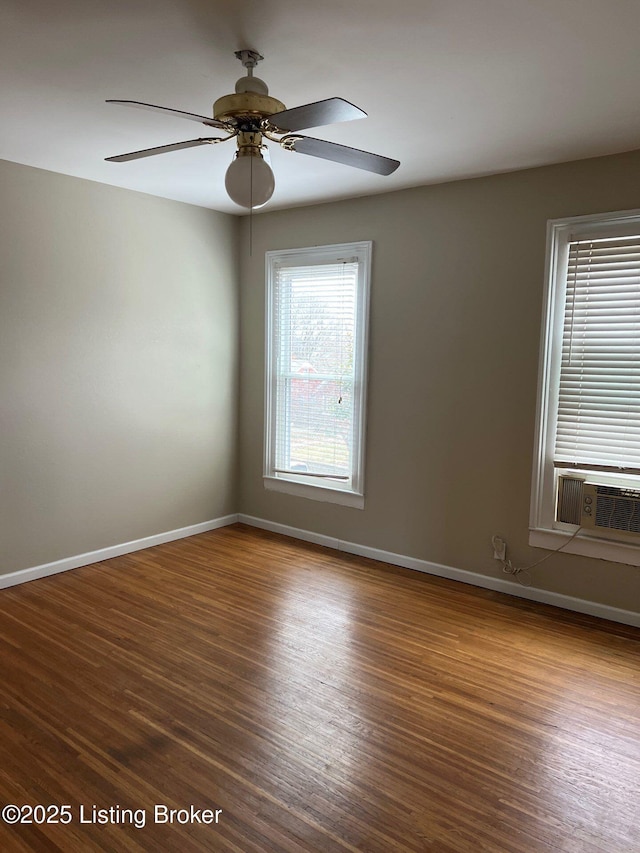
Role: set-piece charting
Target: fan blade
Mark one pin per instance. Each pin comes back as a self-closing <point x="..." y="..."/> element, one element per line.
<point x="317" y="114"/>
<point x="211" y="122"/>
<point x="340" y="154"/>
<point x="162" y="149"/>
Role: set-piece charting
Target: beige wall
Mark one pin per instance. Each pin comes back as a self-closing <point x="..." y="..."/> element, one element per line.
<point x="119" y="354"/>
<point x="456" y="301"/>
<point x="118" y="366"/>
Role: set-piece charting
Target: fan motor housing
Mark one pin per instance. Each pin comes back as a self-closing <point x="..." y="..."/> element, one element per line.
<point x="246" y="105"/>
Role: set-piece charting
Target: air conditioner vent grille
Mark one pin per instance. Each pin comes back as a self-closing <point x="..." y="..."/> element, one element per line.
<point x="617" y="511"/>
<point x="570" y="500"/>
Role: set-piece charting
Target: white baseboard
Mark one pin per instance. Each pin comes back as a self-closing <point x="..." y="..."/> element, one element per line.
<point x="24" y="575"/>
<point x="579" y="605"/>
<point x="567" y="602"/>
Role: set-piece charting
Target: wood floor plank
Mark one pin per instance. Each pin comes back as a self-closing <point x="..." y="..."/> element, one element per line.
<point x="321" y="701"/>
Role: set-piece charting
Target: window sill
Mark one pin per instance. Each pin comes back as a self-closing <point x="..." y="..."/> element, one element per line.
<point x="314" y="493"/>
<point x="586" y="545"/>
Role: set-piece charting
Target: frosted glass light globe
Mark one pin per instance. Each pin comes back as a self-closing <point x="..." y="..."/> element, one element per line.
<point x="249" y="181"/>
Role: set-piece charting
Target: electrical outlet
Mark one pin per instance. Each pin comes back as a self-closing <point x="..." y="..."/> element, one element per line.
<point x="499" y="548"/>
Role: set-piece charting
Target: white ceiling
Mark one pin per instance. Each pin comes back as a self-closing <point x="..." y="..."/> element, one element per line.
<point x="453" y="88"/>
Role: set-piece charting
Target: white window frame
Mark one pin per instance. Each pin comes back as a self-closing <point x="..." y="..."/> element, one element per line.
<point x="544" y="530"/>
<point x="350" y="493"/>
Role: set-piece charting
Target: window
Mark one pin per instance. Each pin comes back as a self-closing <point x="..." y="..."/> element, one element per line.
<point x="588" y="433"/>
<point x="317" y="319"/>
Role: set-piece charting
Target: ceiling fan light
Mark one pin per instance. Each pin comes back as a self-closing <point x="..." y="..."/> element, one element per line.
<point x="249" y="180"/>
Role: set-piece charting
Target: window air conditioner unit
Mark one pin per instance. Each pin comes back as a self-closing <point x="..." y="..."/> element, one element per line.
<point x="596" y="506"/>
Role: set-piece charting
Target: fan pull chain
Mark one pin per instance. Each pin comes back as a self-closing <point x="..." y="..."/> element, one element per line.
<point x="251" y="208"/>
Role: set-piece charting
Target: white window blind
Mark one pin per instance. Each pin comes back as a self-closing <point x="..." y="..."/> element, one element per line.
<point x="316" y="372"/>
<point x="598" y="422"/>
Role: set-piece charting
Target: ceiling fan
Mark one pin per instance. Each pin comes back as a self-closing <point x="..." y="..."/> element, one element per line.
<point x="250" y="116"/>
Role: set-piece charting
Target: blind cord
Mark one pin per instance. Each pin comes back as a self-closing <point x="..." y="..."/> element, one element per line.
<point x="342" y="294"/>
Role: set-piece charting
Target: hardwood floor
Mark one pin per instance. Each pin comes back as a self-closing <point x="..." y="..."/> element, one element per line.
<point x="322" y="702"/>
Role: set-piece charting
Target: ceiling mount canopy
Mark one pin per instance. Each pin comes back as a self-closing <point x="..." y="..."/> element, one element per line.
<point x="249" y="59"/>
<point x="250" y="116"/>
